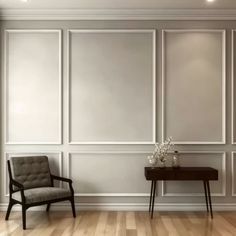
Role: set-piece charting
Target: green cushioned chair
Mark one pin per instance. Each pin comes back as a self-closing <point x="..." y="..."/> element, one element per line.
<point x="31" y="184"/>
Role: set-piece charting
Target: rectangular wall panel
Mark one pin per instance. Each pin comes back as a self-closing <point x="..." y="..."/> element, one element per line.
<point x="108" y="173"/>
<point x="194" y="86"/>
<point x="215" y="160"/>
<point x="33" y="86"/>
<point x="111" y="86"/>
<point x="55" y="163"/>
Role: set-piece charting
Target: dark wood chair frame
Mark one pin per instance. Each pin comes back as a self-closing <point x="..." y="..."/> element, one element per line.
<point x="23" y="203"/>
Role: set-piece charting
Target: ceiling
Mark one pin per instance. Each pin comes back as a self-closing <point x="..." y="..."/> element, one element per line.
<point x="117" y="4"/>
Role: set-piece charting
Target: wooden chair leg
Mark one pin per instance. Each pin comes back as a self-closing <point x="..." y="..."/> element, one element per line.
<point x="48" y="207"/>
<point x="24" y="216"/>
<point x="73" y="207"/>
<point x="9" y="210"/>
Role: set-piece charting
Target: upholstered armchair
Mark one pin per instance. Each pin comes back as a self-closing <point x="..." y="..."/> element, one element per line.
<point x="31" y="184"/>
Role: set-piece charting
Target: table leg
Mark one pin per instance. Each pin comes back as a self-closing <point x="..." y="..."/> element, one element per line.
<point x="205" y="189"/>
<point x="153" y="197"/>
<point x="150" y="201"/>
<point x="209" y="196"/>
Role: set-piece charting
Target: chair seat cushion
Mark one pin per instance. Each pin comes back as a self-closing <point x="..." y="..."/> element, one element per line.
<point x="41" y="194"/>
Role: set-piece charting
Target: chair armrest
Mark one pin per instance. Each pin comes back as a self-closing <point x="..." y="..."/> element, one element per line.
<point x="21" y="189"/>
<point x="61" y="178"/>
<point x="17" y="184"/>
<point x="69" y="181"/>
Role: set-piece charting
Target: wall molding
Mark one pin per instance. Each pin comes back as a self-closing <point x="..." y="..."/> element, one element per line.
<point x="69" y="154"/>
<point x="128" y="207"/>
<point x="223" y="138"/>
<point x="223" y="166"/>
<point x="118" y="14"/>
<point x="233" y="192"/>
<point x="5" y="67"/>
<point x="34" y="153"/>
<point x="153" y="32"/>
<point x="232" y="86"/>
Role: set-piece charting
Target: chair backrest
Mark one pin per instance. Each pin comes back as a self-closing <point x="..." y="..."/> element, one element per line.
<point x="31" y="171"/>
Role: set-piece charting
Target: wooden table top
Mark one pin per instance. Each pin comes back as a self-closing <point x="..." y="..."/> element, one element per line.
<point x="181" y="173"/>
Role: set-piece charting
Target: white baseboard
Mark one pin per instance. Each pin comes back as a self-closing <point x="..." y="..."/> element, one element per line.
<point x="129" y="207"/>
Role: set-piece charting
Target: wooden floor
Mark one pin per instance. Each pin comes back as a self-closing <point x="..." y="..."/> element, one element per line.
<point x="120" y="223"/>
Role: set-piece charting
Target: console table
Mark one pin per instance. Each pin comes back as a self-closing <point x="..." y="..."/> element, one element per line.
<point x="182" y="173"/>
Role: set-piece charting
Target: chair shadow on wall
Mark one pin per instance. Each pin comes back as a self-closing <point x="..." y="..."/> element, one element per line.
<point x="88" y="189"/>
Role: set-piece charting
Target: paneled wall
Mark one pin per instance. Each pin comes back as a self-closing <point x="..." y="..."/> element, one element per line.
<point x="96" y="95"/>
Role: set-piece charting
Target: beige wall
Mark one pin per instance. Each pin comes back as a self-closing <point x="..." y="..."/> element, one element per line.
<point x="190" y="99"/>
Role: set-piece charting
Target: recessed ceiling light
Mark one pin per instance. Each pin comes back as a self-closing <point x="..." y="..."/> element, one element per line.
<point x="210" y="0"/>
<point x="24" y="0"/>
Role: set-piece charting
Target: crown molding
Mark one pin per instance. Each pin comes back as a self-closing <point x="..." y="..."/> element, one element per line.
<point x="118" y="14"/>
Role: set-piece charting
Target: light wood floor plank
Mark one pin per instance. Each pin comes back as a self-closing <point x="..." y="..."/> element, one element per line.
<point x="130" y="220"/>
<point x="120" y="224"/>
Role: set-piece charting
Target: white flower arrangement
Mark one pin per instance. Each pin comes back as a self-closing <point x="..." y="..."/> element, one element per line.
<point x="160" y="152"/>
